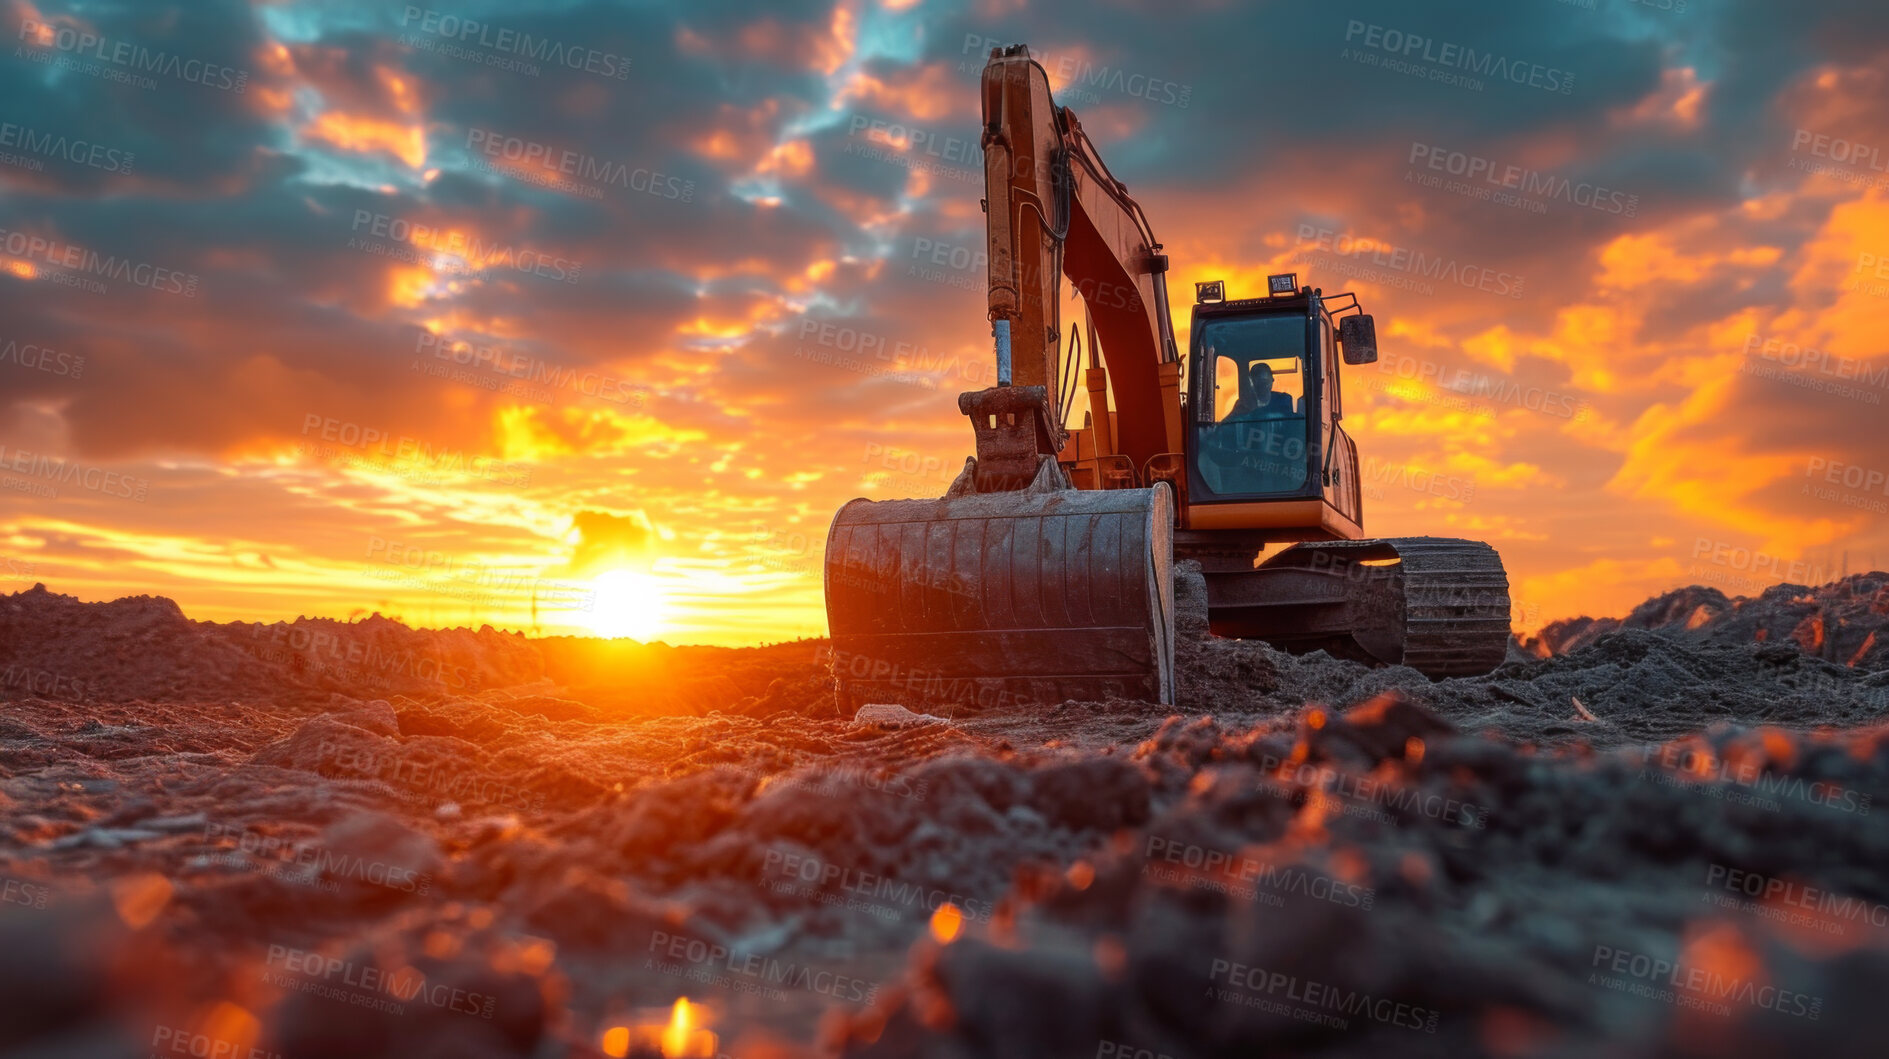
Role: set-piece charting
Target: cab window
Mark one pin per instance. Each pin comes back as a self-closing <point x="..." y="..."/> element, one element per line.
<point x="1256" y="442"/>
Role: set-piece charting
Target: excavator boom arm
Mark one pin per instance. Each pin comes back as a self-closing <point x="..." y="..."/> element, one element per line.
<point x="1055" y="211"/>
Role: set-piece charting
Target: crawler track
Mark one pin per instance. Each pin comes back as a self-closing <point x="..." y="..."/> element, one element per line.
<point x="1436" y="604"/>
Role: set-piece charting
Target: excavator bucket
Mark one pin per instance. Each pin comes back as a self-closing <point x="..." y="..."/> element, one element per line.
<point x="984" y="600"/>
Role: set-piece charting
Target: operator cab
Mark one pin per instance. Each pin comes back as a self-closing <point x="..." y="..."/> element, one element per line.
<point x="1262" y="424"/>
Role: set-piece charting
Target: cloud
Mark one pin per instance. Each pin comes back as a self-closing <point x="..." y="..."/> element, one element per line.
<point x="606" y="542"/>
<point x="722" y="256"/>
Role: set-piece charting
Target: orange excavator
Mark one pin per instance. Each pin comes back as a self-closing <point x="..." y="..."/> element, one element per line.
<point x="1047" y="570"/>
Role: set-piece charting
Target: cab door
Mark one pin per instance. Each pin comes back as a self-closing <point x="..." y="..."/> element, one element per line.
<point x="1339" y="461"/>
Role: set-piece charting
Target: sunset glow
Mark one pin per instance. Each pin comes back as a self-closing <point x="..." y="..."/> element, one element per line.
<point x="654" y="529"/>
<point x="335" y="344"/>
<point x="628" y="603"/>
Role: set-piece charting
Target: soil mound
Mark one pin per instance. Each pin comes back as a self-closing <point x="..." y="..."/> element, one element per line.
<point x="1841" y="622"/>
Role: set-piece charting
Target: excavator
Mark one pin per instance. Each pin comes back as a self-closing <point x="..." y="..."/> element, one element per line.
<point x="1047" y="571"/>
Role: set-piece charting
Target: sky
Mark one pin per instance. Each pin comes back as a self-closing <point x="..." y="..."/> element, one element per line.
<point x="588" y="316"/>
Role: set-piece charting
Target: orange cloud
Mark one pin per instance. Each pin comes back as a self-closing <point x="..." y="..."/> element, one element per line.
<point x="355" y="133"/>
<point x="1676" y="103"/>
<point x="934" y="92"/>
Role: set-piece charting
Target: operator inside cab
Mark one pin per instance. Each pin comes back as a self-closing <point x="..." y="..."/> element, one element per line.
<point x="1258" y="444"/>
<point x="1257" y="399"/>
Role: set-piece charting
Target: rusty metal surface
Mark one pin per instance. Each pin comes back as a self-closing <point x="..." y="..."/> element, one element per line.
<point x="1014" y="428"/>
<point x="1002" y="599"/>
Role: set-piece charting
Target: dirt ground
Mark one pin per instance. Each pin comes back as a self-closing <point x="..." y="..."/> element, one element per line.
<point x="1657" y="835"/>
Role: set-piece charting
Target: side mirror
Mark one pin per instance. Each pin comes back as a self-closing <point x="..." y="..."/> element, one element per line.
<point x="1357" y="335"/>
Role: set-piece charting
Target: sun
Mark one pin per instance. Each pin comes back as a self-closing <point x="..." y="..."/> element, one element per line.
<point x="627" y="603"/>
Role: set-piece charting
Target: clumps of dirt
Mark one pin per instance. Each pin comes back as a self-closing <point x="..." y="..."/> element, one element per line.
<point x="1378" y="883"/>
<point x="1647" y="686"/>
<point x="143" y="647"/>
<point x="382" y="655"/>
<point x="622" y="824"/>
<point x="1228" y="673"/>
<point x="598" y="858"/>
<point x="56" y="647"/>
<point x="657" y="678"/>
<point x="444" y="986"/>
<point x="1656" y="676"/>
<point x="1841" y="622"/>
<point x="60" y="649"/>
<point x="887" y="835"/>
<point x="1640" y="686"/>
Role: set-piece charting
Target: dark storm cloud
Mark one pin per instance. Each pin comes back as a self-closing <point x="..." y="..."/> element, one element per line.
<point x="283" y="270"/>
<point x="279" y="280"/>
<point x="1271" y="79"/>
<point x="196" y="130"/>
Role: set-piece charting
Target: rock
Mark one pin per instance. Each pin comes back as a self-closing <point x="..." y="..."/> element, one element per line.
<point x="1097" y="793"/>
<point x="552" y="708"/>
<point x="104" y="838"/>
<point x="589" y="912"/>
<point x="1379" y="729"/>
<point x="376" y="716"/>
<point x="54" y="963"/>
<point x="892" y="715"/>
<point x="373" y="850"/>
<point x="330" y="746"/>
<point x="419" y="1006"/>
